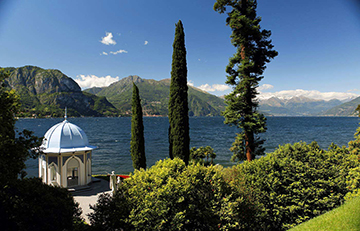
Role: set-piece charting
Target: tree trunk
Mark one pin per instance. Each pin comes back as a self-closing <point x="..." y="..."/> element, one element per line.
<point x="249" y="145"/>
<point x="249" y="135"/>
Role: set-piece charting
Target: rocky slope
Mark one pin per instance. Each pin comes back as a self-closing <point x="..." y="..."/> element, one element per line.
<point x="345" y="109"/>
<point x="48" y="92"/>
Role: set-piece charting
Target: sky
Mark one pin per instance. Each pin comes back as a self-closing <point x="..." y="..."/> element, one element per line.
<point x="99" y="42"/>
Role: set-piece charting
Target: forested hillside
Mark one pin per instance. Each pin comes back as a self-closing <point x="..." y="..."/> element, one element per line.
<point x="155" y="97"/>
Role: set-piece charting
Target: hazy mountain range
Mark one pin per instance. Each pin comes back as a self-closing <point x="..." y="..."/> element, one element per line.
<point x="304" y="106"/>
<point x="48" y="92"/>
<point x="296" y="106"/>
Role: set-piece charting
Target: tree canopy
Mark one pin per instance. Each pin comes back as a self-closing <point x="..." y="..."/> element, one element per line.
<point x="245" y="69"/>
<point x="179" y="138"/>
<point x="137" y="142"/>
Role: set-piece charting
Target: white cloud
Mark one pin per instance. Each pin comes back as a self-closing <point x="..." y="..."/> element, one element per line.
<point x="104" y="53"/>
<point x="221" y="87"/>
<point x="265" y="87"/>
<point x="108" y="39"/>
<point x="190" y="83"/>
<point x="206" y="87"/>
<point x="146" y="42"/>
<point x="214" y="87"/>
<point x="118" y="52"/>
<point x="89" y="81"/>
<point x="313" y="94"/>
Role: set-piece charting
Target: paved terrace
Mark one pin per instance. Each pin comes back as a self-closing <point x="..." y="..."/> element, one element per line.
<point x="88" y="195"/>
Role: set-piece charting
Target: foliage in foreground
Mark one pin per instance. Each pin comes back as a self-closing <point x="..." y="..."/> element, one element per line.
<point x="276" y="192"/>
<point x="346" y="217"/>
<point x="296" y="182"/>
<point x="29" y="204"/>
<point x="172" y="196"/>
<point x="353" y="179"/>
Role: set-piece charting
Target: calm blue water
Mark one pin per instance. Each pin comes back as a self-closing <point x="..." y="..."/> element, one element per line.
<point x="112" y="136"/>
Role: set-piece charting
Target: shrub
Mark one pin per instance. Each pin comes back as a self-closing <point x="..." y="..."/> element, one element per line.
<point x="172" y="196"/>
<point x="110" y="213"/>
<point x="198" y="155"/>
<point x="353" y="183"/>
<point x="29" y="204"/>
<point x="354" y="145"/>
<point x="295" y="183"/>
<point x="353" y="179"/>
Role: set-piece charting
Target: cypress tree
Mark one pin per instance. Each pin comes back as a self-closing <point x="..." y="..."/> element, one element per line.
<point x="245" y="69"/>
<point x="179" y="138"/>
<point x="137" y="142"/>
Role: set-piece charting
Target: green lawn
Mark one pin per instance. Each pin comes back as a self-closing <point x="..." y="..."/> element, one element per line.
<point x="344" y="218"/>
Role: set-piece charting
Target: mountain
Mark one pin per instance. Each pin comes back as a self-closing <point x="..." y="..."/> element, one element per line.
<point x="155" y="97"/>
<point x="296" y="106"/>
<point x="47" y="92"/>
<point x="345" y="109"/>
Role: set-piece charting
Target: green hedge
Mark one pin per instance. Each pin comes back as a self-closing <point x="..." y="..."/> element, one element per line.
<point x="296" y="182"/>
<point x="289" y="186"/>
<point x="172" y="196"/>
<point x="29" y="204"/>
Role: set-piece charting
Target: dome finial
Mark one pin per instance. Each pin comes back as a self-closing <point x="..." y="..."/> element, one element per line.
<point x="65" y="113"/>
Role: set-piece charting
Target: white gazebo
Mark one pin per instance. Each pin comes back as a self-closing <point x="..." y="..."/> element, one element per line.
<point x="66" y="161"/>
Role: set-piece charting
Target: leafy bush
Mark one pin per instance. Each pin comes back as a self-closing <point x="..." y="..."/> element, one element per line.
<point x="353" y="179"/>
<point x="295" y="183"/>
<point x="353" y="183"/>
<point x="111" y="213"/>
<point x="29" y="204"/>
<point x="172" y="196"/>
<point x="276" y="192"/>
<point x="198" y="155"/>
<point x="354" y="145"/>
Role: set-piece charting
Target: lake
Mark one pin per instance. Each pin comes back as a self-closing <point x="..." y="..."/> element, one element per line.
<point x="112" y="137"/>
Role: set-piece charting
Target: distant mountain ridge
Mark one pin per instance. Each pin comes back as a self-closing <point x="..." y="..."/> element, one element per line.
<point x="47" y="92"/>
<point x="155" y="97"/>
<point x="345" y="109"/>
<point x="296" y="106"/>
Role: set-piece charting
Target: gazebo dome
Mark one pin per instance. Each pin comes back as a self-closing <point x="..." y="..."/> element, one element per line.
<point x="65" y="137"/>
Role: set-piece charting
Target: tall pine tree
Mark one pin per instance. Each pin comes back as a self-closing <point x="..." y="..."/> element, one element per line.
<point x="179" y="138"/>
<point x="137" y="142"/>
<point x="245" y="69"/>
